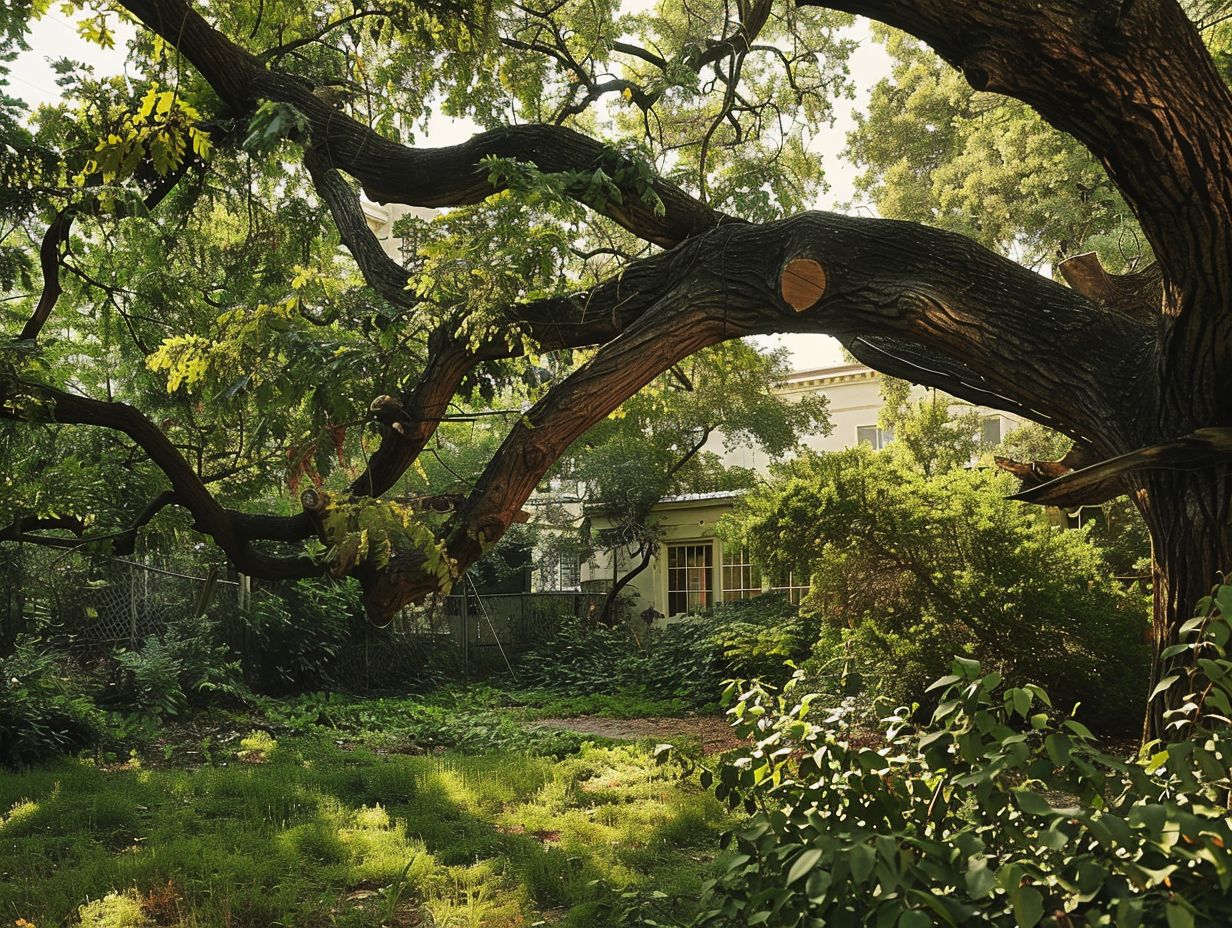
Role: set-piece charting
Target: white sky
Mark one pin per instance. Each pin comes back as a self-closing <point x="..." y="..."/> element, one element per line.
<point x="53" y="37"/>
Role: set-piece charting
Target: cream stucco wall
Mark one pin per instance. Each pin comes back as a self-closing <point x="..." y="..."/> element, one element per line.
<point x="853" y="394"/>
<point x="682" y="522"/>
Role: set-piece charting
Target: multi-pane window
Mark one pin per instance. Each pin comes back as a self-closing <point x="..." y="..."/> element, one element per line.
<point x="874" y="436"/>
<point x="990" y="431"/>
<point x="741" y="578"/>
<point x="690" y="577"/>
<point x="570" y="572"/>
<point x="795" y="585"/>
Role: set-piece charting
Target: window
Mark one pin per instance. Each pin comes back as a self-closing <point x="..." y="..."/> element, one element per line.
<point x="741" y="578"/>
<point x="560" y="571"/>
<point x="690" y="577"/>
<point x="990" y="431"/>
<point x="794" y="585"/>
<point x="873" y="436"/>
<point x="570" y="572"/>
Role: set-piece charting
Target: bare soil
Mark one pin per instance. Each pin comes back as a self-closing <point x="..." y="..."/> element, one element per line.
<point x="713" y="731"/>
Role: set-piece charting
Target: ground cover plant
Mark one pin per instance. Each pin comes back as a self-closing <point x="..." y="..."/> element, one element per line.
<point x="305" y="830"/>
<point x="682" y="665"/>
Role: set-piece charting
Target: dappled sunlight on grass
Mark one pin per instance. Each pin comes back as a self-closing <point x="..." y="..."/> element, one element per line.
<point x="306" y="833"/>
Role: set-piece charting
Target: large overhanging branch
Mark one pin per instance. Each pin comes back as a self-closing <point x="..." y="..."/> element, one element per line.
<point x="1098" y="483"/>
<point x="381" y="272"/>
<point x="188" y="490"/>
<point x="817" y="272"/>
<point x="389" y="172"/>
<point x="1131" y="80"/>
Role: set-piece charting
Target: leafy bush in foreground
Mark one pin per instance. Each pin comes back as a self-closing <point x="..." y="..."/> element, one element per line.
<point x="995" y="813"/>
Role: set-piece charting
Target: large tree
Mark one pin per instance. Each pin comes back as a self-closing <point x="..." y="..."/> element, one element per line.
<point x="179" y="207"/>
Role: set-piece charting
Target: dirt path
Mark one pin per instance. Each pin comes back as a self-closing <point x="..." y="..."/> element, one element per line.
<point x="715" y="734"/>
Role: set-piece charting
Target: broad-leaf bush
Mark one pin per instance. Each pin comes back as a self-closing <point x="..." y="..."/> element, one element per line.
<point x="184" y="665"/>
<point x="908" y="569"/>
<point x="999" y="811"/>
<point x="297" y="632"/>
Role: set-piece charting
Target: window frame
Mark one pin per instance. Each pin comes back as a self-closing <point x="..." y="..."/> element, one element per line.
<point x="881" y="437"/>
<point x="692" y="599"/>
<point x="738" y="562"/>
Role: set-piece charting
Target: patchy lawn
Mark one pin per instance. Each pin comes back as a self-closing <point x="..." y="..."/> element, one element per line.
<point x="345" y="822"/>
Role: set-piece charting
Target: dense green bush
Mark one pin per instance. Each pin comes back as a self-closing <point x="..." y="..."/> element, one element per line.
<point x="998" y="812"/>
<point x="41" y="713"/>
<point x="185" y="665"/>
<point x="908" y="569"/>
<point x="688" y="660"/>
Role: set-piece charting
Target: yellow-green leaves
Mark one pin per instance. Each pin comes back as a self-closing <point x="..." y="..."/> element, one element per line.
<point x="185" y="359"/>
<point x="244" y="335"/>
<point x="370" y="532"/>
<point x="162" y="129"/>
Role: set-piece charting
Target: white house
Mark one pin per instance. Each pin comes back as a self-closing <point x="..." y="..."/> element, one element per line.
<point x="693" y="568"/>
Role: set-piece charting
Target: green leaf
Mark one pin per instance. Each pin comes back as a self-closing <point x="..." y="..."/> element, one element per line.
<point x="1028" y="907"/>
<point x="1032" y="803"/>
<point x="980" y="879"/>
<point x="804" y="864"/>
<point x="1179" y="912"/>
<point x="861" y="860"/>
<point x="915" y="918"/>
<point x="1163" y="685"/>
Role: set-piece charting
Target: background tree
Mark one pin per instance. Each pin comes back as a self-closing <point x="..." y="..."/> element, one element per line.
<point x="186" y="219"/>
<point x="652" y="446"/>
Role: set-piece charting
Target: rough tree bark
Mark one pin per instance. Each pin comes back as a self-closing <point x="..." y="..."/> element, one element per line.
<point x="1125" y="367"/>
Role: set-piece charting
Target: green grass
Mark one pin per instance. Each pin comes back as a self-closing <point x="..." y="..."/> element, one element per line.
<point x="304" y="832"/>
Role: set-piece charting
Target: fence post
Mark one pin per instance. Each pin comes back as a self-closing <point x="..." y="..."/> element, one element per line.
<point x="466" y="639"/>
<point x="243" y="592"/>
<point x="132" y="606"/>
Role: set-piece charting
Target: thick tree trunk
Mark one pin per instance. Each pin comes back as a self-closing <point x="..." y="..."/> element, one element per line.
<point x="1189" y="515"/>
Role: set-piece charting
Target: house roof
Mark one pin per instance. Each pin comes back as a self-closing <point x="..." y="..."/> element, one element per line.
<point x="703" y="497"/>
<point x="808" y="380"/>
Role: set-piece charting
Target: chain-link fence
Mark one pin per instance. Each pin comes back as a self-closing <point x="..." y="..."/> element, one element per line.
<point x="89" y="606"/>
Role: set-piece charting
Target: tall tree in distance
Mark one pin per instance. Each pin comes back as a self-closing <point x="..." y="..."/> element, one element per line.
<point x="185" y="220"/>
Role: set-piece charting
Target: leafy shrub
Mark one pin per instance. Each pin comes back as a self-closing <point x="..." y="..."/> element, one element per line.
<point x="297" y="632"/>
<point x="908" y="569"/>
<point x="757" y="637"/>
<point x="185" y="664"/>
<point x="687" y="660"/>
<point x="41" y="713"/>
<point x="998" y="812"/>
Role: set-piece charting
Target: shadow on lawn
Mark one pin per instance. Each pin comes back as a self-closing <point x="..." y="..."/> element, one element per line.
<point x="316" y="835"/>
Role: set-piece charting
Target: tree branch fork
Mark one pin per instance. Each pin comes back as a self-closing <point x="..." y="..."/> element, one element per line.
<point x="906" y="296"/>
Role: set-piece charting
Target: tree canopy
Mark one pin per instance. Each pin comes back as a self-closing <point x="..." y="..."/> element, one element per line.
<point x="189" y="269"/>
